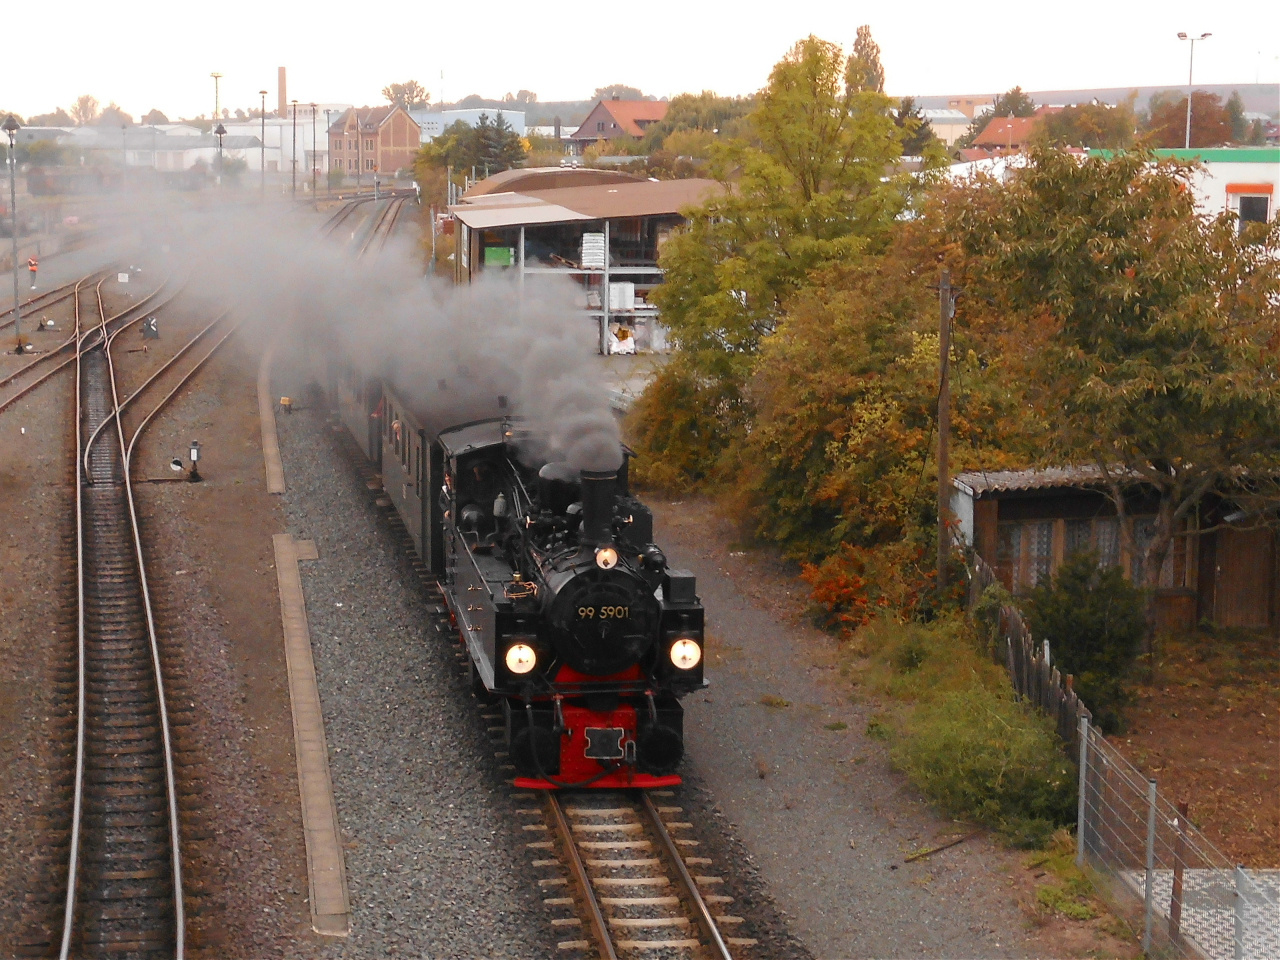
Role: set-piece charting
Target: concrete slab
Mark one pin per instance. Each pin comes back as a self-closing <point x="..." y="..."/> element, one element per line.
<point x="267" y="417"/>
<point x="326" y="868"/>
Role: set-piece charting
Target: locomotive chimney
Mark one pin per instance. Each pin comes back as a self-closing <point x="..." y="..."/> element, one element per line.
<point x="598" y="488"/>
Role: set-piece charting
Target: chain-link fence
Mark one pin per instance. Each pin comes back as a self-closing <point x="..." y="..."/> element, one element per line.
<point x="1187" y="896"/>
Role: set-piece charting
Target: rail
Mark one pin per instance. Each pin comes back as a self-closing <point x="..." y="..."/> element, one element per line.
<point x="125" y="853"/>
<point x="630" y="815"/>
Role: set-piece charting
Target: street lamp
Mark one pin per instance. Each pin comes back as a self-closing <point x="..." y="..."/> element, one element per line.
<point x="293" y="153"/>
<point x="328" y="152"/>
<point x="263" y="187"/>
<point x="217" y="103"/>
<point x="219" y="131"/>
<point x="313" y="152"/>
<point x="11" y="127"/>
<point x="1190" y="66"/>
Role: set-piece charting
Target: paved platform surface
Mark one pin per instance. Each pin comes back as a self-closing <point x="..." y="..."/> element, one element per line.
<point x="267" y="418"/>
<point x="326" y="869"/>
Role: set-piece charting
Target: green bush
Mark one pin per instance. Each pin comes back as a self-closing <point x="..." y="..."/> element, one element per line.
<point x="1094" y="621"/>
<point x="981" y="756"/>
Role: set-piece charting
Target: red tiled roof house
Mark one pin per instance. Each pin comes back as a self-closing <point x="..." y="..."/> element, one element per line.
<point x="615" y="119"/>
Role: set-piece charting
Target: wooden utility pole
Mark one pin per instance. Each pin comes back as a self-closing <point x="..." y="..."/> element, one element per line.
<point x="944" y="421"/>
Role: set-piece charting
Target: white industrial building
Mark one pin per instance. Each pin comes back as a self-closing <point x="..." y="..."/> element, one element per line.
<point x="432" y="123"/>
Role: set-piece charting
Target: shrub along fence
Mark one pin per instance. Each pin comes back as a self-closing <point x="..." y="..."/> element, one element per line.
<point x="1141" y="849"/>
<point x="1034" y="678"/>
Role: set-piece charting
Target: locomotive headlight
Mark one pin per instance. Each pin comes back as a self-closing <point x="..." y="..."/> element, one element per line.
<point x="685" y="653"/>
<point x="606" y="558"/>
<point x="520" y="658"/>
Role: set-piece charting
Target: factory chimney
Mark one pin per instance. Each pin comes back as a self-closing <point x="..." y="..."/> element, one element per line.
<point x="283" y="109"/>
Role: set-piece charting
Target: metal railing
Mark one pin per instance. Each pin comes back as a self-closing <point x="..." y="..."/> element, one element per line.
<point x="1144" y="852"/>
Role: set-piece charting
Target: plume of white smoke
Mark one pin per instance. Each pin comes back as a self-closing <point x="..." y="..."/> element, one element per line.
<point x="450" y="351"/>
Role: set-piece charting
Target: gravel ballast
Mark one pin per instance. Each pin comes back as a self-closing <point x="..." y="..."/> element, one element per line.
<point x="433" y="857"/>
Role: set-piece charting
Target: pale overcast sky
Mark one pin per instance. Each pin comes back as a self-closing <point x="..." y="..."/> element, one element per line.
<point x="146" y="53"/>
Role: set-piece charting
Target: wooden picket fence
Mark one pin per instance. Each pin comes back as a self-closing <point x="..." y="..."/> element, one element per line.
<point x="1031" y="672"/>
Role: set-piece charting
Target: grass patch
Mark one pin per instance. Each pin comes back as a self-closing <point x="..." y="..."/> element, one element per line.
<point x="958" y="733"/>
<point x="879" y="727"/>
<point x="1069" y="894"/>
<point x="838" y="725"/>
<point x="776" y="703"/>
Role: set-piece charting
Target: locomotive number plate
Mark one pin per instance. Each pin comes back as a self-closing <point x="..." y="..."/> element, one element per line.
<point x="604" y="613"/>
<point x="604" y="743"/>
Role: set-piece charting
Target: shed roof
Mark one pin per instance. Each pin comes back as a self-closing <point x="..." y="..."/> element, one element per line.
<point x="526" y="179"/>
<point x="981" y="483"/>
<point x="645" y="198"/>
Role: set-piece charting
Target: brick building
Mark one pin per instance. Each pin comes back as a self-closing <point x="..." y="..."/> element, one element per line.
<point x="618" y="119"/>
<point x="369" y="140"/>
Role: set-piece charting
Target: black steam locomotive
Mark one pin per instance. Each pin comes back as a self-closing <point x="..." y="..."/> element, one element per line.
<point x="567" y="608"/>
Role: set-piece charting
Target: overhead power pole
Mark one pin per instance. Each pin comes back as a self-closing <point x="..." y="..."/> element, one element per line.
<point x="946" y="307"/>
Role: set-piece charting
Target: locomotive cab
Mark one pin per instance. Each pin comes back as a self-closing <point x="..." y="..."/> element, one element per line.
<point x="568" y="611"/>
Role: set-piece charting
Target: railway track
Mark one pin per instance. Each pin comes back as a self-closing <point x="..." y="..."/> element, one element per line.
<point x="44" y="366"/>
<point x="384" y="226"/>
<point x="629" y="878"/>
<point x="43" y="301"/>
<point x="120" y="893"/>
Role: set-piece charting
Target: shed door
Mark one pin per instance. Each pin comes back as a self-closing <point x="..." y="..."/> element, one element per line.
<point x="1243" y="594"/>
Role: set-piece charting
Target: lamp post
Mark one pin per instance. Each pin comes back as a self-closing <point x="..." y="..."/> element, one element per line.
<point x="219" y="131"/>
<point x="293" y="153"/>
<point x="359" y="152"/>
<point x="1191" y="62"/>
<point x="328" y="152"/>
<point x="11" y="127"/>
<point x="217" y="103"/>
<point x="263" y="183"/>
<point x="124" y="149"/>
<point x="314" y="155"/>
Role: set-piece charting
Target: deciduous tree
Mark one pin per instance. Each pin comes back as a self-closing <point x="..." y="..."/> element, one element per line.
<point x="618" y="91"/>
<point x="865" y="71"/>
<point x="85" y="110"/>
<point x="411" y="95"/>
<point x="59" y="118"/>
<point x="113" y="115"/>
<point x="723" y="117"/>
<point x="1095" y="125"/>
<point x="814" y="191"/>
<point x="154" y="116"/>
<point x="1149" y="334"/>
<point x="1167" y="123"/>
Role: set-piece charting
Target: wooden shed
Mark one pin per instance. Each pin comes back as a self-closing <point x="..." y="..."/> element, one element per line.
<point x="1023" y="523"/>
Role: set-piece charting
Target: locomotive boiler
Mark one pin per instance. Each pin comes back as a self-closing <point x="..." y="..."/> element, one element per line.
<point x="569" y="612"/>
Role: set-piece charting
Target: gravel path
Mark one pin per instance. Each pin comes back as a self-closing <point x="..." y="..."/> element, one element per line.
<point x="827" y="820"/>
<point x="434" y="860"/>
